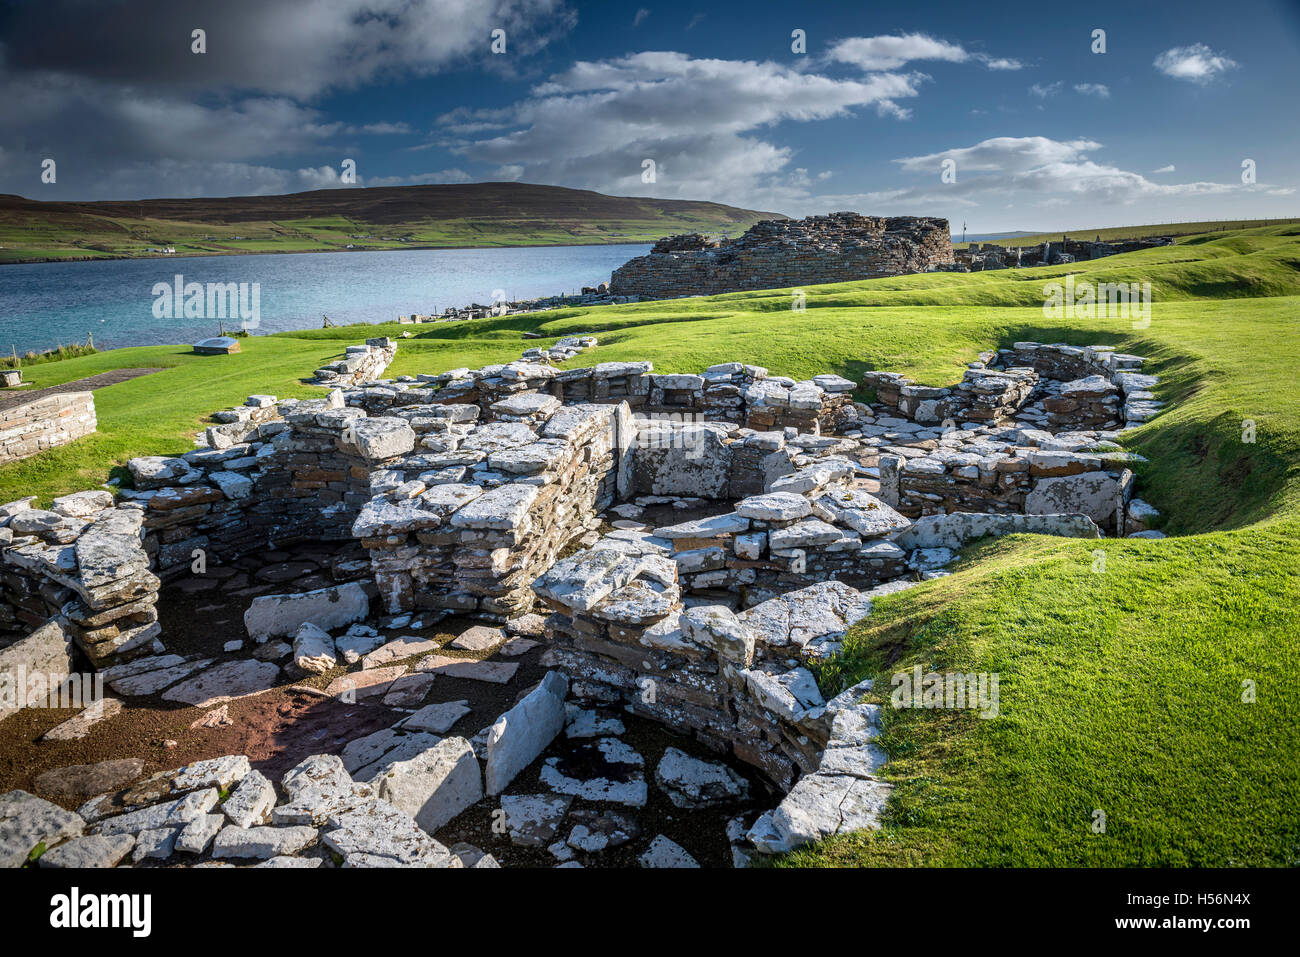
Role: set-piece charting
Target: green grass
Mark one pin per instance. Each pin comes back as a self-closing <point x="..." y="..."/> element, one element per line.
<point x="1113" y="233"/>
<point x="1120" y="691"/>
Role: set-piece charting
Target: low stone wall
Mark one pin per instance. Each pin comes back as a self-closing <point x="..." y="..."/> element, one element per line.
<point x="1079" y="387"/>
<point x="45" y="423"/>
<point x="1005" y="479"/>
<point x="359" y="364"/>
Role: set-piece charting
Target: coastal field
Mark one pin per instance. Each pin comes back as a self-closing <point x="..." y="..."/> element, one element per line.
<point x="1162" y="692"/>
<point x="1116" y="233"/>
<point x="405" y="217"/>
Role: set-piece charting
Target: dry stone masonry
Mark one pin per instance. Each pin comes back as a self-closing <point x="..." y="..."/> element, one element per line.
<point x="777" y="253"/>
<point x="46" y="423"/>
<point x="685" y="546"/>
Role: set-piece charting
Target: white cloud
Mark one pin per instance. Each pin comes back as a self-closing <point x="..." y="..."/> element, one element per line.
<point x="641" y="14"/>
<point x="1099" y="90"/>
<point x="883" y="53"/>
<point x="1196" y="63"/>
<point x="593" y="124"/>
<point x="1043" y="92"/>
<point x="1165" y="169"/>
<point x="1053" y="168"/>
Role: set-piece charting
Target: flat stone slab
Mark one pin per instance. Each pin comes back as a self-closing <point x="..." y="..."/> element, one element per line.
<point x="533" y="820"/>
<point x="80" y="725"/>
<point x="367" y="757"/>
<point x="606" y="770"/>
<point x="272" y="616"/>
<point x="520" y="735"/>
<point x="361" y="685"/>
<point x="691" y="782"/>
<point x="585" y="723"/>
<point x="27" y="821"/>
<point x="262" y="843"/>
<point x="435" y="785"/>
<point x="151" y="682"/>
<point x="408" y="691"/>
<point x="818" y="613"/>
<point x="230" y="680"/>
<point x="437" y="718"/>
<point x="80" y="781"/>
<point x="376" y="834"/>
<point x="94" y="851"/>
<point x="477" y="638"/>
<point x="405" y="647"/>
<point x="495" y="672"/>
<point x="595" y="831"/>
<point x="663" y="852"/>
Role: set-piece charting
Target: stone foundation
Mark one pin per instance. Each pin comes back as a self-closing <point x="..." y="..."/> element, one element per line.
<point x="46" y="423"/>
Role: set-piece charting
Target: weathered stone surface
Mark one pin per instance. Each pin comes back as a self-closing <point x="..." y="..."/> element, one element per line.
<point x="80" y="725"/>
<point x="407" y="646"/>
<point x="80" y="781"/>
<point x="26" y="822"/>
<point x="477" y="638"/>
<point x="692" y="783"/>
<point x="494" y="672"/>
<point x="195" y="836"/>
<point x="362" y="685"/>
<point x="435" y="785"/>
<point x="522" y="733"/>
<point x="313" y="649"/>
<point x="595" y="831"/>
<point x="955" y="530"/>
<point x="157" y="843"/>
<point x="223" y="682"/>
<point x="437" y="718"/>
<point x="408" y="691"/>
<point x="319" y="787"/>
<point x="328" y="608"/>
<point x="262" y="843"/>
<point x="789" y="695"/>
<point x="820" y="805"/>
<point x="376" y="834"/>
<point x="774" y="506"/>
<point x="584" y="580"/>
<point x="93" y="851"/>
<point x="534" y="819"/>
<point x="250" y="804"/>
<point x="619" y="779"/>
<point x="175" y="814"/>
<point x="47" y="651"/>
<point x="816" y="614"/>
<point x="501" y="508"/>
<point x="364" y="758"/>
<point x="663" y="852"/>
<point x="379" y="438"/>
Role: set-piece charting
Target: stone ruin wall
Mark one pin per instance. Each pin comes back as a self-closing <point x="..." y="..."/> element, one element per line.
<point x="467" y="488"/>
<point x="47" y="422"/>
<point x="775" y="254"/>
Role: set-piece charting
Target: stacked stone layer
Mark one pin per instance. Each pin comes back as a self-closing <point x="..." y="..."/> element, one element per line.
<point x="46" y="423"/>
<point x="774" y="254"/>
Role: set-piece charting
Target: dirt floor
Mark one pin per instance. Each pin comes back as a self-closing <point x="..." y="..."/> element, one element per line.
<point x="280" y="727"/>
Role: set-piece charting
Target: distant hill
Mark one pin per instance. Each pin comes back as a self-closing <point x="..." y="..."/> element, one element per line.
<point x="395" y="217"/>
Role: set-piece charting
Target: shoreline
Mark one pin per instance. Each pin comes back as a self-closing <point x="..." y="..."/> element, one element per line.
<point x="287" y="252"/>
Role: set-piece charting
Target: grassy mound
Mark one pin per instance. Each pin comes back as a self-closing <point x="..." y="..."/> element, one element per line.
<point x="1121" y="690"/>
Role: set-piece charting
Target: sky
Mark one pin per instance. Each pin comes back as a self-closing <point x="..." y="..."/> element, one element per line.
<point x="1001" y="117"/>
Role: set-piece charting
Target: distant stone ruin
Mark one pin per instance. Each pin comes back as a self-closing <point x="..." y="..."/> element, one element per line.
<point x="777" y="253"/>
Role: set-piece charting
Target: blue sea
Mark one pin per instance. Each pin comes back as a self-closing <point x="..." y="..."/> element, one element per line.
<point x="47" y="304"/>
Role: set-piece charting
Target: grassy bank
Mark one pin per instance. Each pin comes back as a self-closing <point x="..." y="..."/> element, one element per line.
<point x="1120" y="690"/>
